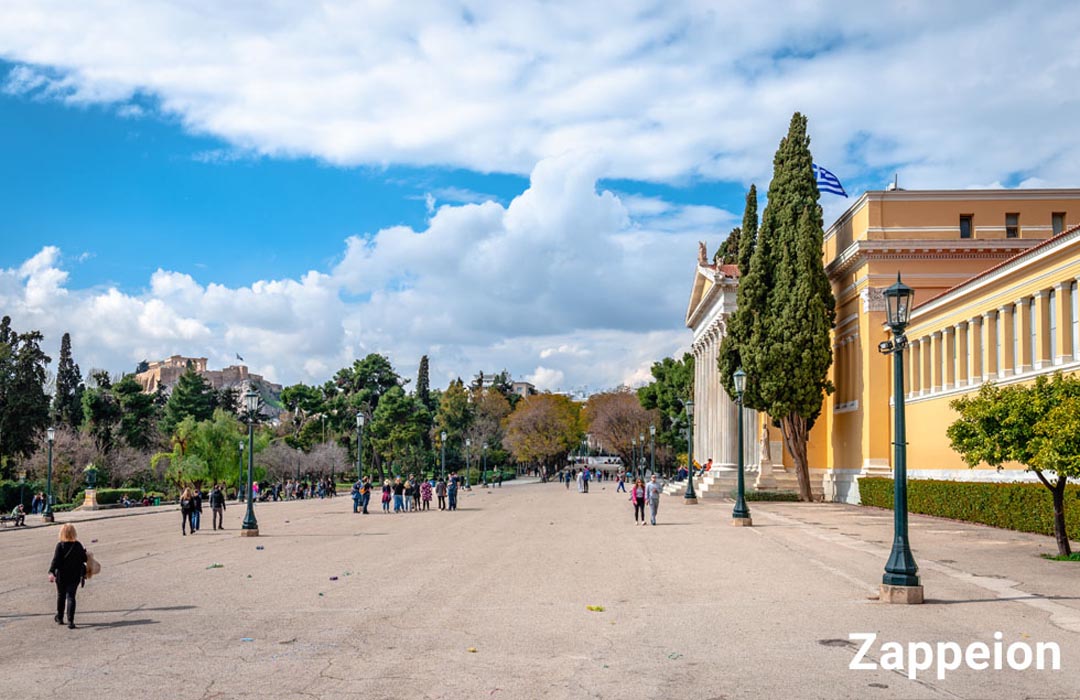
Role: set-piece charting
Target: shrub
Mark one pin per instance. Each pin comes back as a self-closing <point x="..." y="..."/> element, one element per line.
<point x="769" y="495"/>
<point x="10" y="491"/>
<point x="1022" y="507"/>
<point x="108" y="497"/>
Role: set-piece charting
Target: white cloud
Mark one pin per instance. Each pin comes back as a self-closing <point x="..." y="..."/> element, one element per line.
<point x="648" y="87"/>
<point x="561" y="285"/>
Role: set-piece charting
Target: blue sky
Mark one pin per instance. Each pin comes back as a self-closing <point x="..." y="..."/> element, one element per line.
<point x="516" y="186"/>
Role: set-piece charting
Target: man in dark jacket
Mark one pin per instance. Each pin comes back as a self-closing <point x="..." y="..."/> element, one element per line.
<point x="217" y="507"/>
<point x="196" y="510"/>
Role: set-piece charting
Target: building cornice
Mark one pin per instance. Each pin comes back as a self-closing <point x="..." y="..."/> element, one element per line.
<point x="862" y="251"/>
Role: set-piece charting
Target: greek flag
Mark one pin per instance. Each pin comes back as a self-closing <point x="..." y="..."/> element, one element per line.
<point x="827" y="182"/>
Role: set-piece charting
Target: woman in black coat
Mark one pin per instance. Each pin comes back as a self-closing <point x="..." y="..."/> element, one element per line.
<point x="66" y="571"/>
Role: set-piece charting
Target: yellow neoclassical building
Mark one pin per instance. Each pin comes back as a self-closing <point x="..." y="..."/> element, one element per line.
<point x="995" y="275"/>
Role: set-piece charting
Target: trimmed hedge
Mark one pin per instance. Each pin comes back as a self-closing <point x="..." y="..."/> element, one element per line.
<point x="107" y="497"/>
<point x="785" y="496"/>
<point x="1022" y="507"/>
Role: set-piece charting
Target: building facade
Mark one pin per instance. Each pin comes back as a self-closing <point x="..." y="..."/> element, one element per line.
<point x="994" y="273"/>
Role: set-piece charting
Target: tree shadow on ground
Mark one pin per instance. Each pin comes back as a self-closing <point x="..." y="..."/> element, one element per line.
<point x="170" y="608"/>
<point x="119" y="623"/>
<point x="939" y="601"/>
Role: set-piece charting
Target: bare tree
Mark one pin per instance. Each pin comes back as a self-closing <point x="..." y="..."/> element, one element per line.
<point x="616" y="419"/>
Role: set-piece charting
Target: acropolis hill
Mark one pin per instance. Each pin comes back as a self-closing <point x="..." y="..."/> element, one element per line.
<point x="165" y="373"/>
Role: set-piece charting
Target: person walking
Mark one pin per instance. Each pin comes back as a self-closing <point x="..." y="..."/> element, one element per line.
<point x="386" y="496"/>
<point x="399" y="495"/>
<point x="440" y="493"/>
<point x="407" y="492"/>
<point x="425" y="494"/>
<point x="365" y="494"/>
<point x="67" y="570"/>
<point x="196" y="510"/>
<point x="622" y="483"/>
<point x="652" y="495"/>
<point x="217" y="507"/>
<point x="637" y="497"/>
<point x="185" y="511"/>
<point x="451" y="491"/>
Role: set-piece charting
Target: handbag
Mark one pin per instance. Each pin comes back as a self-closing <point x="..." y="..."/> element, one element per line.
<point x="93" y="566"/>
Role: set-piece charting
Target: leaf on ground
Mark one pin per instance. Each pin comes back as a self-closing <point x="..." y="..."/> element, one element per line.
<point x="595" y="608"/>
<point x="471" y="650"/>
<point x="216" y="566"/>
<point x="333" y="578"/>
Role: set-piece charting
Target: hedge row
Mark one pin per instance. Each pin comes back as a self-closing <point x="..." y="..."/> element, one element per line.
<point x="10" y="492"/>
<point x="1023" y="507"/>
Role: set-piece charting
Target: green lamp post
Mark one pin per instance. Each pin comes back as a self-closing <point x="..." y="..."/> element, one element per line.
<point x="690" y="497"/>
<point x="741" y="514"/>
<point x="240" y="475"/>
<point x="483" y="472"/>
<point x="468" y="468"/>
<point x="442" y="453"/>
<point x="47" y="514"/>
<point x="652" y="449"/>
<point x="250" y="526"/>
<point x="900" y="583"/>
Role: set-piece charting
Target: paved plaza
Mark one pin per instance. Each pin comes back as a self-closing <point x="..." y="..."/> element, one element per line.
<point x="493" y="602"/>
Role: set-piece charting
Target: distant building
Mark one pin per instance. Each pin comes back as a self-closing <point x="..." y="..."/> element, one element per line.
<point x="165" y="374"/>
<point x="524" y="388"/>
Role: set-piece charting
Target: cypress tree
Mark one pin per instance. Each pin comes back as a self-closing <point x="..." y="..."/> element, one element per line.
<point x="423" y="383"/>
<point x="67" y="402"/>
<point x="780" y="333"/>
<point x="748" y="237"/>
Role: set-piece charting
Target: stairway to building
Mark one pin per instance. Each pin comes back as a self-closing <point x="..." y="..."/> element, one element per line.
<point x="720" y="482"/>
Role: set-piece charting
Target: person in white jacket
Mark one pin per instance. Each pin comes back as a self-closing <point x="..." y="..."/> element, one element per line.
<point x="652" y="496"/>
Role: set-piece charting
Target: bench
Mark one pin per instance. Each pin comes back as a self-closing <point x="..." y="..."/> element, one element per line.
<point x="9" y="520"/>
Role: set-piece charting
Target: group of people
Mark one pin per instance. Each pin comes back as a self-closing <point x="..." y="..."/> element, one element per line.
<point x="410" y="494"/>
<point x="191" y="506"/>
<point x="646" y="492"/>
<point x="292" y="490"/>
<point x="643" y="492"/>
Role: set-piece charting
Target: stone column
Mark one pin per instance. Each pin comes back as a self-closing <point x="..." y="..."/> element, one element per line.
<point x="935" y="361"/>
<point x="975" y="330"/>
<point x="963" y="358"/>
<point x="914" y="367"/>
<point x="1063" y="317"/>
<point x="989" y="345"/>
<point x="1008" y="340"/>
<point x="1041" y="327"/>
<point x="1022" y="311"/>
<point x="950" y="358"/>
<point x="927" y="364"/>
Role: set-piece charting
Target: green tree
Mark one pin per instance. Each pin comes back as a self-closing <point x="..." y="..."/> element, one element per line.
<point x="101" y="411"/>
<point x="423" y="383"/>
<point x="543" y="429"/>
<point x="780" y="331"/>
<point x="617" y="419"/>
<point x="728" y="252"/>
<point x="748" y="232"/>
<point x="398" y="427"/>
<point x="139" y="413"/>
<point x="24" y="405"/>
<point x="67" y="400"/>
<point x="454" y="416"/>
<point x="192" y="396"/>
<point x="672" y="385"/>
<point x="1037" y="426"/>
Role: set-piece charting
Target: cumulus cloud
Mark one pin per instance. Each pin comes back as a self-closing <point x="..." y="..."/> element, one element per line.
<point x="562" y="285"/>
<point x="662" y="91"/>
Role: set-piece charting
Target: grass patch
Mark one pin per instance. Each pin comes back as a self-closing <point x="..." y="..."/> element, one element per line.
<point x="1075" y="556"/>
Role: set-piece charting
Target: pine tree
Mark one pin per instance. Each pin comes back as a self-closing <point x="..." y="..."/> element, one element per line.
<point x="67" y="401"/>
<point x="748" y="237"/>
<point x="192" y="396"/>
<point x="779" y="334"/>
<point x="24" y="405"/>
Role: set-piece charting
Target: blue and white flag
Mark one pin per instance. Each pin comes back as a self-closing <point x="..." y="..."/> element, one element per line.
<point x="827" y="182"/>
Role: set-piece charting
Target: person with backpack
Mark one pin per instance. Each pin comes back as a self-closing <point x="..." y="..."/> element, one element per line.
<point x="440" y="493"/>
<point x="386" y="496"/>
<point x="186" y="505"/>
<point x="217" y="507"/>
<point x="365" y="494"/>
<point x="355" y="493"/>
<point x="196" y="510"/>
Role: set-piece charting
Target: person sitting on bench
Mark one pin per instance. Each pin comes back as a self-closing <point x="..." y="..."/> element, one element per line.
<point x="18" y="515"/>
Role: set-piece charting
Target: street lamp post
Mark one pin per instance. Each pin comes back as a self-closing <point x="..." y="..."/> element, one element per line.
<point x="22" y="489"/>
<point x="442" y="451"/>
<point x="240" y="474"/>
<point x="652" y="448"/>
<point x="468" y="467"/>
<point x="690" y="497"/>
<point x="641" y="453"/>
<point x="900" y="583"/>
<point x="633" y="458"/>
<point x="741" y="514"/>
<point x="359" y="446"/>
<point x="250" y="526"/>
<point x="47" y="515"/>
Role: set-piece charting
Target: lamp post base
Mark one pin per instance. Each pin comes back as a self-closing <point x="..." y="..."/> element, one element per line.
<point x="901" y="595"/>
<point x="254" y="532"/>
<point x="48" y="518"/>
<point x="690" y="500"/>
<point x="742" y="522"/>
